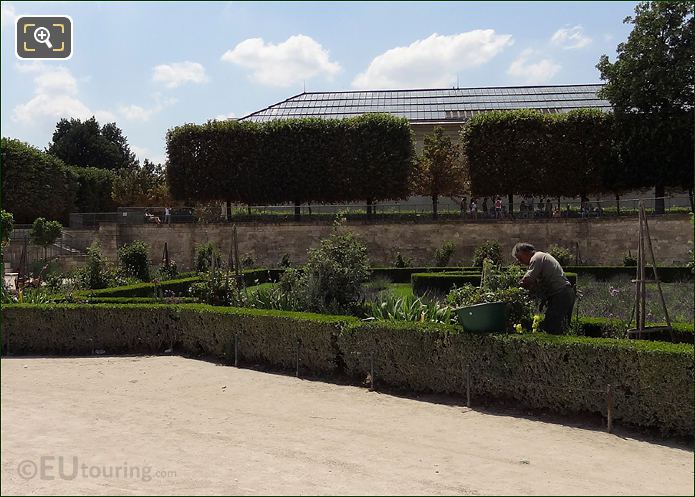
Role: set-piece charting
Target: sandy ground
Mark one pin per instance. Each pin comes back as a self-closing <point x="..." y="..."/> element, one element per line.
<point x="180" y="426"/>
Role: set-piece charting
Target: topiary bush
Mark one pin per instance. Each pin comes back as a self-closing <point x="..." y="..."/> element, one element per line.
<point x="95" y="274"/>
<point x="562" y="255"/>
<point x="134" y="260"/>
<point x="205" y="254"/>
<point x="442" y="255"/>
<point x="488" y="250"/>
<point x="45" y="233"/>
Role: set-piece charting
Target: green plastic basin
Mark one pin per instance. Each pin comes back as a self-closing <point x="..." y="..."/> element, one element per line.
<point x="483" y="318"/>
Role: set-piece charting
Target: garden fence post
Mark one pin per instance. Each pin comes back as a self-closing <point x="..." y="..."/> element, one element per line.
<point x="236" y="351"/>
<point x="296" y="372"/>
<point x="609" y="408"/>
<point x="468" y="386"/>
<point x="372" y="385"/>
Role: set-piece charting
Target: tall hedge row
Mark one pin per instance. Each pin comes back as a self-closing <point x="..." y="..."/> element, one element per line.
<point x="37" y="184"/>
<point x="652" y="382"/>
<point x="365" y="158"/>
<point x="528" y="152"/>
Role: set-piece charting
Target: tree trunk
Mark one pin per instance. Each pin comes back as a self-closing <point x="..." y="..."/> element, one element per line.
<point x="659" y="193"/>
<point x="229" y="211"/>
<point x="510" y="198"/>
<point x="297" y="211"/>
<point x="435" y="202"/>
<point x="617" y="204"/>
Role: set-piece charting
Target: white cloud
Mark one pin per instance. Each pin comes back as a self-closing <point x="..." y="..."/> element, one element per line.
<point x="134" y="112"/>
<point x="537" y="72"/>
<point x="224" y="117"/>
<point x="298" y="58"/>
<point x="8" y="14"/>
<point x="432" y="62"/>
<point x="179" y="73"/>
<point x="55" y="96"/>
<point x="569" y="38"/>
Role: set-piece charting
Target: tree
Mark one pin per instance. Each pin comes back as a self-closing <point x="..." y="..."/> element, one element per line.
<point x="6" y="228"/>
<point x="654" y="77"/>
<point x="87" y="144"/>
<point x="45" y="233"/>
<point x="439" y="170"/>
<point x="143" y="186"/>
<point x="35" y="184"/>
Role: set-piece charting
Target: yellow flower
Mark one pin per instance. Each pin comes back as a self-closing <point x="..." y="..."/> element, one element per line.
<point x="518" y="328"/>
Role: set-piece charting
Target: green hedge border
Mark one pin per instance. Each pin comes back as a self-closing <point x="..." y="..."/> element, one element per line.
<point x="653" y="381"/>
<point x="444" y="282"/>
<point x="667" y="274"/>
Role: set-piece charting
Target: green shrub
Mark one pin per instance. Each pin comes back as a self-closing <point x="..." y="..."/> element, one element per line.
<point x="616" y="328"/>
<point x="488" y="250"/>
<point x="333" y="277"/>
<point x="168" y="272"/>
<point x="410" y="308"/>
<point x="218" y="288"/>
<point x="134" y="260"/>
<point x="248" y="261"/>
<point x="6" y="228"/>
<point x="45" y="233"/>
<point x="443" y="254"/>
<point x="402" y="262"/>
<point x="285" y="262"/>
<point x="403" y="275"/>
<point x="269" y="337"/>
<point x="562" y="255"/>
<point x="441" y="283"/>
<point x="178" y="287"/>
<point x="629" y="260"/>
<point x="652" y="381"/>
<point x="95" y="274"/>
<point x="204" y="256"/>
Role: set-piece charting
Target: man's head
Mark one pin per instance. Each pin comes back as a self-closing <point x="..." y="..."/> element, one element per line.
<point x="523" y="252"/>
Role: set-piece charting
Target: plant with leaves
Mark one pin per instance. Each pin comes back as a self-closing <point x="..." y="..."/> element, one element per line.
<point x="488" y="250"/>
<point x="410" y="308"/>
<point x="650" y="86"/>
<point x="134" y="260"/>
<point x="95" y="274"/>
<point x="439" y="170"/>
<point x="205" y="255"/>
<point x="443" y="254"/>
<point x="402" y="261"/>
<point x="45" y="233"/>
<point x="6" y="228"/>
<point x="219" y="288"/>
<point x="561" y="254"/>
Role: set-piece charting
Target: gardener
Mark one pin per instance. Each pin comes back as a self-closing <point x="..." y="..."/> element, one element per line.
<point x="546" y="277"/>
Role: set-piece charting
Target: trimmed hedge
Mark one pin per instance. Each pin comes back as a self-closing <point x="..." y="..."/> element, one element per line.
<point x="126" y="300"/>
<point x="652" y="380"/>
<point x="444" y="282"/>
<point x="596" y="327"/>
<point x="193" y="329"/>
<point x="667" y="274"/>
<point x="403" y="274"/>
<point x="179" y="286"/>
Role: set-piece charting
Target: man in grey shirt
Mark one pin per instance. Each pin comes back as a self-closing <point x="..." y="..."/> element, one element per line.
<point x="546" y="277"/>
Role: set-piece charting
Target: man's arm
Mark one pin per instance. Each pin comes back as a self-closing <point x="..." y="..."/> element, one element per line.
<point x="531" y="277"/>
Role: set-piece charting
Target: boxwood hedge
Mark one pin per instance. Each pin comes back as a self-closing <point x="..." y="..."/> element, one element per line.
<point x="653" y="381"/>
<point x="443" y="282"/>
<point x="667" y="274"/>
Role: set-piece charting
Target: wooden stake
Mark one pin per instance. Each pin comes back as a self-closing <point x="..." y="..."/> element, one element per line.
<point x="468" y="386"/>
<point x="372" y="384"/>
<point x="656" y="275"/>
<point x="236" y="351"/>
<point x="609" y="408"/>
<point x="296" y="373"/>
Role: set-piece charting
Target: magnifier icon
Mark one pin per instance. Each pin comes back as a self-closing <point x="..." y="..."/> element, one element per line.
<point x="43" y="35"/>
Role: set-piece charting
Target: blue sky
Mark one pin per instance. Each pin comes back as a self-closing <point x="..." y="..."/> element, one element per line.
<point x="150" y="66"/>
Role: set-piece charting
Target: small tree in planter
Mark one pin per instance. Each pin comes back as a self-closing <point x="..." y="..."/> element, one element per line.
<point x="488" y="250"/>
<point x="562" y="255"/>
<point x="45" y="233"/>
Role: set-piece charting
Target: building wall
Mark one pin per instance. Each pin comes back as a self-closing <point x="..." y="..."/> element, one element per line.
<point x="599" y="241"/>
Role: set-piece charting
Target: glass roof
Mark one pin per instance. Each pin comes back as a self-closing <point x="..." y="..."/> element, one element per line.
<point x="454" y="104"/>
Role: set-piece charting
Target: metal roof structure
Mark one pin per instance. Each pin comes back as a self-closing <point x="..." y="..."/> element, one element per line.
<point x="442" y="105"/>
